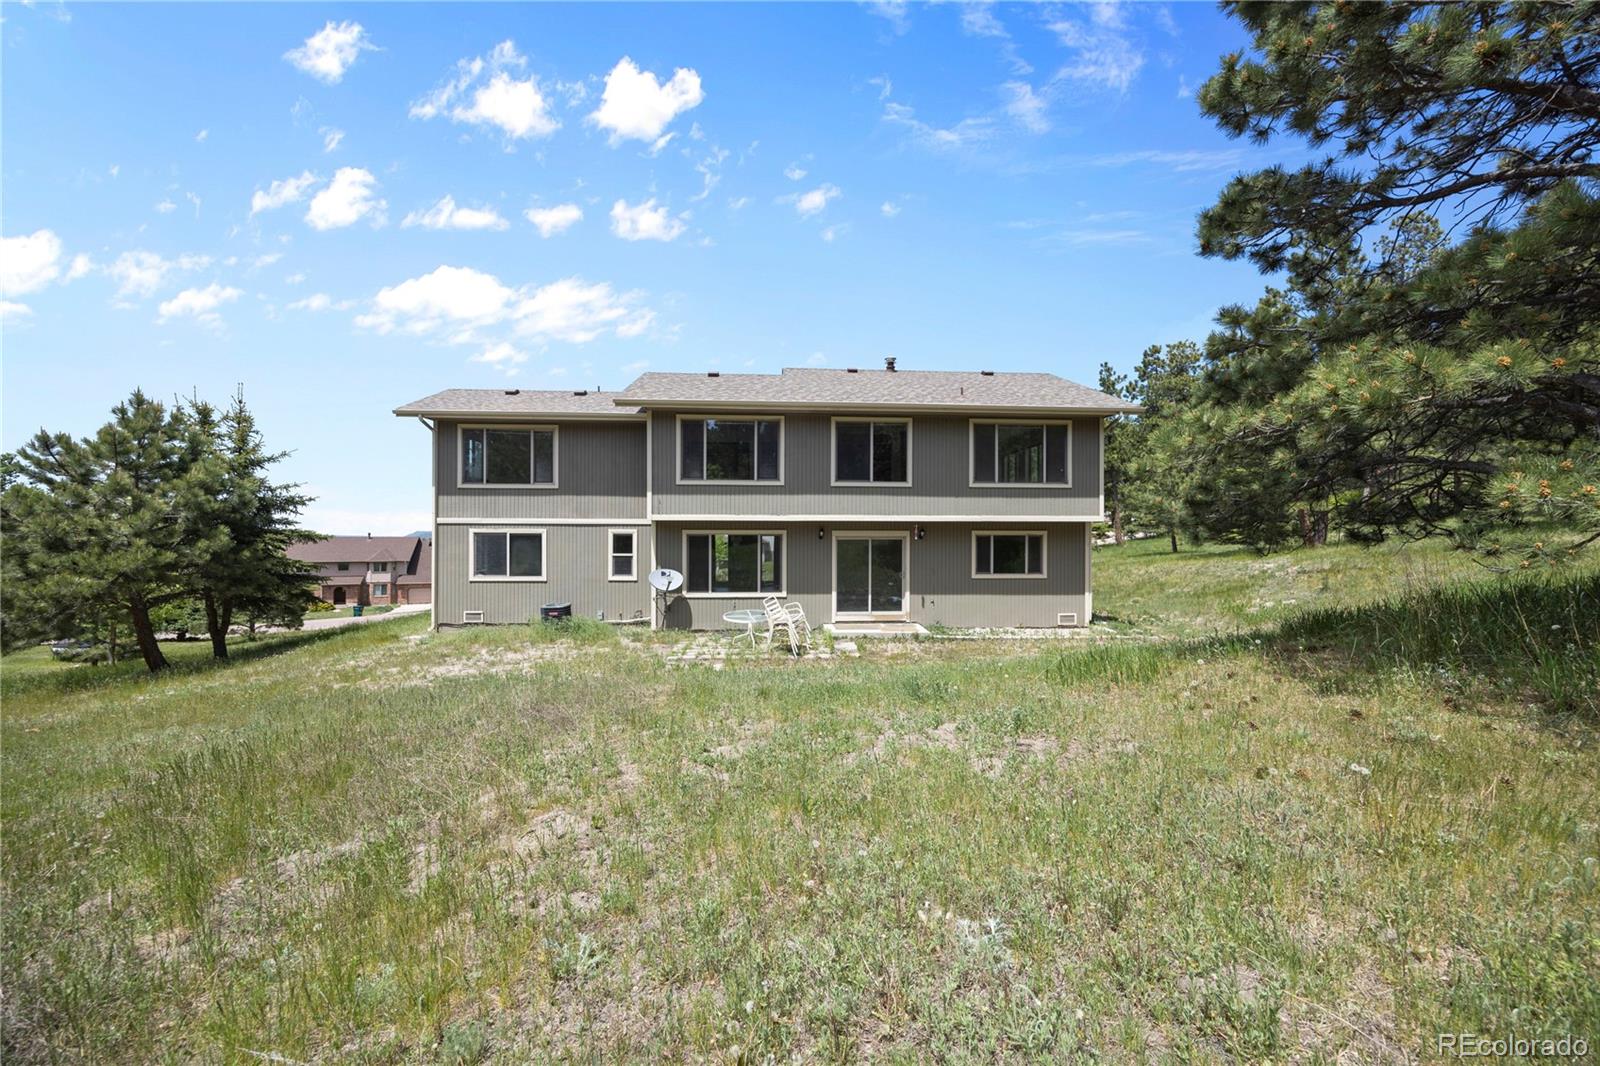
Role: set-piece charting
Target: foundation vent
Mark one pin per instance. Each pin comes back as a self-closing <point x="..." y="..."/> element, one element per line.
<point x="1067" y="619"/>
<point x="469" y="618"/>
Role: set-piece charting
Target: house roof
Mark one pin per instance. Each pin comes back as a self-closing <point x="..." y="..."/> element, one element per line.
<point x="354" y="550"/>
<point x="491" y="403"/>
<point x="799" y="387"/>
<point x="341" y="579"/>
<point x="423" y="575"/>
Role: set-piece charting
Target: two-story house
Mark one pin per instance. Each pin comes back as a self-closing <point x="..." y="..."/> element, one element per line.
<point x="369" y="570"/>
<point x="954" y="498"/>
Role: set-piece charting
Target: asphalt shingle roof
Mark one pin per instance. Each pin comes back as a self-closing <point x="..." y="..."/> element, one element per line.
<point x="354" y="550"/>
<point x="516" y="402"/>
<point x="809" y="386"/>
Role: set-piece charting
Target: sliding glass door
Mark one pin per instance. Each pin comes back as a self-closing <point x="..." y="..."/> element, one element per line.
<point x="869" y="576"/>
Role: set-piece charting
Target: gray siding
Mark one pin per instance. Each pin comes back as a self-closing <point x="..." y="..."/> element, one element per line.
<point x="600" y="474"/>
<point x="576" y="561"/>
<point x="940" y="475"/>
<point x="942" y="588"/>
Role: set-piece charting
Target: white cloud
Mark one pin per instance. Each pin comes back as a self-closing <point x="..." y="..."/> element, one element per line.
<point x="166" y="207"/>
<point x="141" y="273"/>
<point x="199" y="304"/>
<point x="892" y="11"/>
<point x="636" y="105"/>
<point x="295" y="279"/>
<point x="575" y="311"/>
<point x="889" y="209"/>
<point x="1102" y="52"/>
<point x="11" y="311"/>
<point x="321" y="301"/>
<point x="81" y="265"/>
<point x="347" y="200"/>
<point x="738" y="203"/>
<point x="446" y="215"/>
<point x="810" y="203"/>
<point x="829" y="233"/>
<point x="710" y="171"/>
<point x="1184" y="91"/>
<point x="963" y="134"/>
<point x="201" y="136"/>
<point x="977" y="19"/>
<point x="329" y="52"/>
<point x="1182" y="161"/>
<point x="1026" y="106"/>
<point x="552" y="220"/>
<point x="28" y="264"/>
<point x="332" y="137"/>
<point x="280" y="193"/>
<point x="459" y="303"/>
<point x="793" y="172"/>
<point x="485" y="93"/>
<point x="504" y="357"/>
<point x="644" y="222"/>
<point x="661" y="143"/>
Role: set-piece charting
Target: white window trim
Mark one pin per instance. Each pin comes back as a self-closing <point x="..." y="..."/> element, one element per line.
<point x="833" y="453"/>
<point x="633" y="554"/>
<point x="783" y="576"/>
<point x="384" y="585"/>
<point x="902" y="615"/>
<point x="472" y="554"/>
<point x="1044" y="568"/>
<point x="555" y="456"/>
<point x="972" y="470"/>
<point x="677" y="451"/>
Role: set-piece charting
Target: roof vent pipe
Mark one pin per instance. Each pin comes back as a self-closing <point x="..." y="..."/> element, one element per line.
<point x="513" y="392"/>
<point x="712" y="374"/>
<point x="987" y="373"/>
<point x="888" y="363"/>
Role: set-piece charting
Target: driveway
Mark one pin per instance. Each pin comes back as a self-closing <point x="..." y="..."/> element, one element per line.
<point x="339" y="623"/>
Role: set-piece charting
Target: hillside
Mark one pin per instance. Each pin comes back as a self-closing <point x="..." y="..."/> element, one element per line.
<point x="378" y="844"/>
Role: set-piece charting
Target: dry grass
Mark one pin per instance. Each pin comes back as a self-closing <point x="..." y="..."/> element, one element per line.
<point x="946" y="850"/>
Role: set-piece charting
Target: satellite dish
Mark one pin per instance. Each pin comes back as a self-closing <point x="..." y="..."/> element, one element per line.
<point x="666" y="580"/>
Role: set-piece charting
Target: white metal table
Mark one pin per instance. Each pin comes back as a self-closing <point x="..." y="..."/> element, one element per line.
<point x="747" y="618"/>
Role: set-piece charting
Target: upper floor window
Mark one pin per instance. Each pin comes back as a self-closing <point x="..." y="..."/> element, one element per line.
<point x="508" y="456"/>
<point x="872" y="451"/>
<point x="730" y="449"/>
<point x="1021" y="453"/>
<point x="341" y="566"/>
<point x="378" y="568"/>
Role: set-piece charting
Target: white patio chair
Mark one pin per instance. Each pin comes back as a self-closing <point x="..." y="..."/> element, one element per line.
<point x="798" y="626"/>
<point x="778" y="618"/>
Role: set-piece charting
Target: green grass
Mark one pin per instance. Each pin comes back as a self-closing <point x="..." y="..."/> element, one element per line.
<point x="379" y="845"/>
<point x="346" y="612"/>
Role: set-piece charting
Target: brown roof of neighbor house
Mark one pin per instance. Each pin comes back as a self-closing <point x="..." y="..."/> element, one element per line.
<point x="341" y="579"/>
<point x="878" y="389"/>
<point x="423" y="574"/>
<point x="503" y="402"/>
<point x="354" y="550"/>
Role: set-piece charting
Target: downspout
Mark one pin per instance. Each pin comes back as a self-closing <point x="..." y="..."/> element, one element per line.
<point x="433" y="541"/>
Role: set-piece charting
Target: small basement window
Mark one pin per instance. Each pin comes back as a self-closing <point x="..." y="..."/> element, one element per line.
<point x="1008" y="554"/>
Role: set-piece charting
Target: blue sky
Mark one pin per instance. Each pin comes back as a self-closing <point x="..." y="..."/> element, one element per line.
<point x="345" y="208"/>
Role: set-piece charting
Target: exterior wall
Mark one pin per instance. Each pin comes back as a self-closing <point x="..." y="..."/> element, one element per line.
<point x="942" y="590"/>
<point x="600" y="475"/>
<point x="576" y="561"/>
<point x="416" y="594"/>
<point x="940" y="477"/>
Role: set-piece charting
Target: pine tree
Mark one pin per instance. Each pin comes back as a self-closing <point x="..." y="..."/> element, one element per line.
<point x="1400" y="377"/>
<point x="92" y="527"/>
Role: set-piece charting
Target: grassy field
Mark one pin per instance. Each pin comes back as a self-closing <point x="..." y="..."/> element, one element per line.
<point x="1260" y="818"/>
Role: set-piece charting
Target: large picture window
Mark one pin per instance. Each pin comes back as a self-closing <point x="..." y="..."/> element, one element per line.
<point x="508" y="456"/>
<point x="506" y="555"/>
<point x="734" y="563"/>
<point x="1021" y="453"/>
<point x="872" y="452"/>
<point x="1008" y="554"/>
<point x="730" y="449"/>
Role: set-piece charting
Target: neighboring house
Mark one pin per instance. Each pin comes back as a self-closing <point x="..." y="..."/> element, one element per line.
<point x="954" y="498"/>
<point x="370" y="570"/>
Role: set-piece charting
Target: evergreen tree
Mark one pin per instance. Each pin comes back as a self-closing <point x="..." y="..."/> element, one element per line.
<point x="1397" y="388"/>
<point x="1117" y="440"/>
<point x="241" y="522"/>
<point x="1156" y="469"/>
<point x="92" y="529"/>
